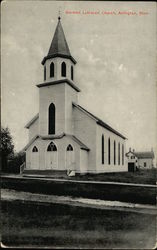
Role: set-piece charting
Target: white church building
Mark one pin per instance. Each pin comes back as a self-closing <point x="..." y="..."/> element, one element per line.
<point x="64" y="135"/>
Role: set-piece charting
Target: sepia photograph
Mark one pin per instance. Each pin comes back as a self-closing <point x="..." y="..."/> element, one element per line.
<point x="78" y="124"/>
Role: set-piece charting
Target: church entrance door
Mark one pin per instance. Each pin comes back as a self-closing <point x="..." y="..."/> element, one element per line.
<point x="70" y="158"/>
<point x="51" y="157"/>
<point x="35" y="158"/>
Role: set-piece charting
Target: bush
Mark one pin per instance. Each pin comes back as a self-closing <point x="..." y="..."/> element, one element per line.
<point x="6" y="147"/>
<point x="15" y="161"/>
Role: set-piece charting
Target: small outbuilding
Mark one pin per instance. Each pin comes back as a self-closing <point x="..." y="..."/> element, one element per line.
<point x="143" y="160"/>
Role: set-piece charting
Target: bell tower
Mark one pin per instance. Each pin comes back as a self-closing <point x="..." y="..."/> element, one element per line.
<point x="58" y="88"/>
<point x="58" y="64"/>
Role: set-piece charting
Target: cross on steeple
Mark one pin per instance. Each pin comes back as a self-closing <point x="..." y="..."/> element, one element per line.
<point x="59" y="14"/>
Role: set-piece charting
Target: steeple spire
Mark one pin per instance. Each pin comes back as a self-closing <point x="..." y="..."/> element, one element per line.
<point x="59" y="46"/>
<point x="59" y="15"/>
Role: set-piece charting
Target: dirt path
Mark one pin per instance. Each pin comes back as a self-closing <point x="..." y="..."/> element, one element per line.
<point x="7" y="194"/>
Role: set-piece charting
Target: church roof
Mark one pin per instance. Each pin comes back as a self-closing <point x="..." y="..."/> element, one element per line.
<point x="32" y="121"/>
<point x="52" y="137"/>
<point x="144" y="155"/>
<point x="59" y="46"/>
<point x="99" y="121"/>
<point x="70" y="83"/>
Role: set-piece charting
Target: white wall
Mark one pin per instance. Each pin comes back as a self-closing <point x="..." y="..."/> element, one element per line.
<point x="29" y="153"/>
<point x="85" y="131"/>
<point x="70" y="96"/>
<point x="61" y="95"/>
<point x="113" y="137"/>
<point x="34" y="129"/>
<point x="61" y="145"/>
<point x="57" y="69"/>
<point x="47" y="95"/>
<point x="149" y="163"/>
<point x="84" y="155"/>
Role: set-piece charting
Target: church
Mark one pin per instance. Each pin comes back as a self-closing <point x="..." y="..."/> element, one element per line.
<point x="64" y="136"/>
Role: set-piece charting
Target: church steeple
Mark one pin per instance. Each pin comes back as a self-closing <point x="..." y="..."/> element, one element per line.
<point x="58" y="91"/>
<point x="59" y="46"/>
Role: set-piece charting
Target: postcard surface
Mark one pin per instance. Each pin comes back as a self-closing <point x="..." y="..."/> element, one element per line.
<point x="79" y="124"/>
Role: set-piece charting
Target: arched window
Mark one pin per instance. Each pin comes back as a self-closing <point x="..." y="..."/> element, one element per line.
<point x="44" y="72"/>
<point x="52" y="69"/>
<point x="118" y="153"/>
<point x="69" y="148"/>
<point x="63" y="69"/>
<point x="122" y="154"/>
<point x="109" y="151"/>
<point x="72" y="73"/>
<point x="102" y="149"/>
<point x="51" y="122"/>
<point x="114" y="153"/>
<point x="51" y="147"/>
<point x="34" y="150"/>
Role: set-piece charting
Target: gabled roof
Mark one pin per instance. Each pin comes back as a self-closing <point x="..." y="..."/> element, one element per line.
<point x="30" y="142"/>
<point x="52" y="137"/>
<point x="32" y="121"/>
<point x="133" y="153"/>
<point x="142" y="155"/>
<point x="145" y="155"/>
<point x="82" y="145"/>
<point x="98" y="121"/>
<point x="59" y="46"/>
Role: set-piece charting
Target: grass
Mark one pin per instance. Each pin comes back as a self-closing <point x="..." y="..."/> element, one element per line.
<point x="143" y="195"/>
<point x="147" y="176"/>
<point x="27" y="224"/>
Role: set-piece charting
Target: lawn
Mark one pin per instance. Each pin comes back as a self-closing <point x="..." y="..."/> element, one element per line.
<point x="142" y="176"/>
<point x="134" y="194"/>
<point x="26" y="224"/>
<point x="148" y="176"/>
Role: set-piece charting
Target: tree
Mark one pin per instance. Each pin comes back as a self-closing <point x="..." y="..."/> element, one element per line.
<point x="6" y="146"/>
<point x="15" y="161"/>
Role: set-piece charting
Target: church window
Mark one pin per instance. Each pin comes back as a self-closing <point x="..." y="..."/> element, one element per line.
<point x="69" y="148"/>
<point x="118" y="153"/>
<point x="122" y="154"/>
<point x="44" y="73"/>
<point x="51" y="147"/>
<point x="102" y="148"/>
<point x="63" y="69"/>
<point x="109" y="152"/>
<point x="114" y="153"/>
<point x="72" y="73"/>
<point x="52" y="69"/>
<point x="34" y="150"/>
<point x="51" y="122"/>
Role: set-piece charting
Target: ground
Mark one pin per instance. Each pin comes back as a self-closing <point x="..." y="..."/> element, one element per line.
<point x="26" y="223"/>
<point x="56" y="225"/>
<point x="148" y="176"/>
<point x="103" y="191"/>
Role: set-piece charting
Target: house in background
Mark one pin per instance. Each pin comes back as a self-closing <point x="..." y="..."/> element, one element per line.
<point x="64" y="136"/>
<point x="143" y="160"/>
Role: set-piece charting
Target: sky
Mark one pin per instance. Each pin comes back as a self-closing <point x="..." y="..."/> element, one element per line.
<point x="116" y="63"/>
